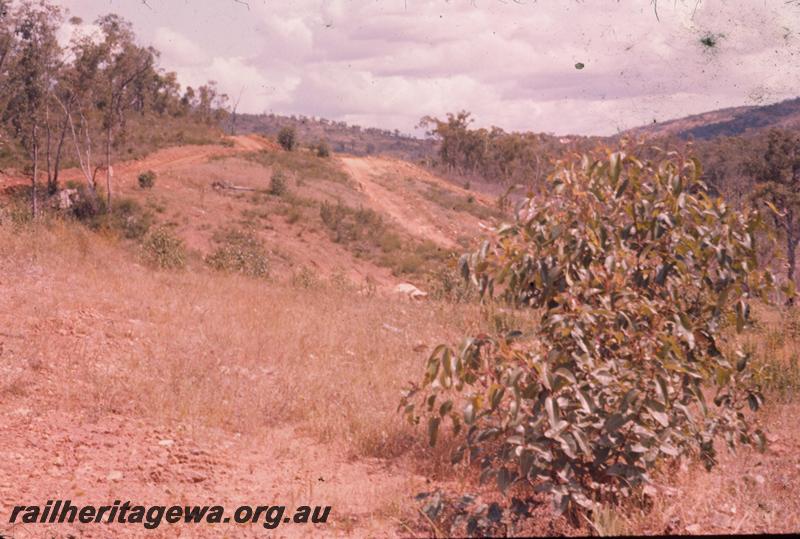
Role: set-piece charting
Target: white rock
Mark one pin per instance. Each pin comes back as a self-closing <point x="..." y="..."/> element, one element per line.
<point x="410" y="290"/>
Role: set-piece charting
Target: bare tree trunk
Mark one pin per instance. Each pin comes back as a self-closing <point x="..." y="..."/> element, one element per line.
<point x="791" y="256"/>
<point x="85" y="163"/>
<point x="34" y="205"/>
<point x="48" y="136"/>
<point x="57" y="162"/>
<point x="233" y="114"/>
<point x="109" y="170"/>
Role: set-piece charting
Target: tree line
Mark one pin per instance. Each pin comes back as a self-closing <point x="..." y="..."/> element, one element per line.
<point x="495" y="155"/>
<point x="82" y="96"/>
<point x="760" y="168"/>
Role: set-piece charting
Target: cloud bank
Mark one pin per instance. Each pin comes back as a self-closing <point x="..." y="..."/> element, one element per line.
<point x="511" y="62"/>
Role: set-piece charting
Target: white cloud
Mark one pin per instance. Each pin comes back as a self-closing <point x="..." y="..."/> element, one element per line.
<point x="389" y="62"/>
<point x="178" y="49"/>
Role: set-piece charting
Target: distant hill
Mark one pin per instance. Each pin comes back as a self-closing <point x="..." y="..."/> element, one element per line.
<point x="341" y="137"/>
<point x="727" y="122"/>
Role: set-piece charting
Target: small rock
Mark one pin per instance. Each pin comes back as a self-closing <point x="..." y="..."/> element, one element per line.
<point x="755" y="479"/>
<point x="391" y="328"/>
<point x="693" y="529"/>
<point x="197" y="477"/>
<point x="116" y="475"/>
<point x="166" y="442"/>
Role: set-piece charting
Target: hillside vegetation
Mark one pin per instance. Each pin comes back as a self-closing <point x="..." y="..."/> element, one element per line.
<point x="86" y="322"/>
<point x="340" y="136"/>
<point x="727" y="122"/>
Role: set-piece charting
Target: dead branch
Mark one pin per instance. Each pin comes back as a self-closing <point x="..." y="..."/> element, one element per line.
<point x="229" y="186"/>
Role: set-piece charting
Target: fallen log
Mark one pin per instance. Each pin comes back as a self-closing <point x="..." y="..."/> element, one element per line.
<point x="231" y="187"/>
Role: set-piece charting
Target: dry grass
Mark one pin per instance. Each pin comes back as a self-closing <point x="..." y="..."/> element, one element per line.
<point x="219" y="350"/>
<point x="749" y="491"/>
<point x="93" y="331"/>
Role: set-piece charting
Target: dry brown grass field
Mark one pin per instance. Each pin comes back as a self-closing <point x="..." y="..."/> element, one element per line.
<point x="119" y="380"/>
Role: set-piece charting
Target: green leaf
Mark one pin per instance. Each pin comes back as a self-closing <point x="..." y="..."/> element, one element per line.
<point x="566" y="374"/>
<point x="662" y="388"/>
<point x="495" y="395"/>
<point x="504" y="479"/>
<point x="552" y="412"/>
<point x="433" y="430"/>
<point x="445" y="408"/>
<point x="753" y="402"/>
<point x="741" y="363"/>
<point x="615" y="168"/>
<point x="657" y="411"/>
<point x="663" y="271"/>
<point x="621" y="189"/>
<point x="761" y="440"/>
<point x="586" y="401"/>
<point x="568" y="445"/>
<point x="580" y="437"/>
<point x="469" y="414"/>
<point x="740" y="315"/>
<point x="614" y="422"/>
<point x="463" y="266"/>
<point x="669" y="449"/>
<point x="458" y="454"/>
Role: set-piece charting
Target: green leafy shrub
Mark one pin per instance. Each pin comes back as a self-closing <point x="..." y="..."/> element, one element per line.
<point x="88" y="205"/>
<point x="306" y="278"/>
<point x="458" y="202"/>
<point x="164" y="250"/>
<point x="302" y="168"/>
<point x="390" y="241"/>
<point x="633" y="272"/>
<point x="322" y="149"/>
<point x="129" y="218"/>
<point x="347" y="224"/>
<point x="278" y="183"/>
<point x="287" y="138"/>
<point x="147" y="179"/>
<point x="293" y="215"/>
<point x="239" y="251"/>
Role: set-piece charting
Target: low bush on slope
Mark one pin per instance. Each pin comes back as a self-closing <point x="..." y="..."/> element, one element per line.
<point x="633" y="272"/>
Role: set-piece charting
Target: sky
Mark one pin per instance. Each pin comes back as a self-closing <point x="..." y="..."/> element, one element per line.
<point x="511" y="63"/>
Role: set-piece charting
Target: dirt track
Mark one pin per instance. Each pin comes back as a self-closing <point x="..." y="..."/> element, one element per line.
<point x="165" y="159"/>
<point x="382" y="181"/>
